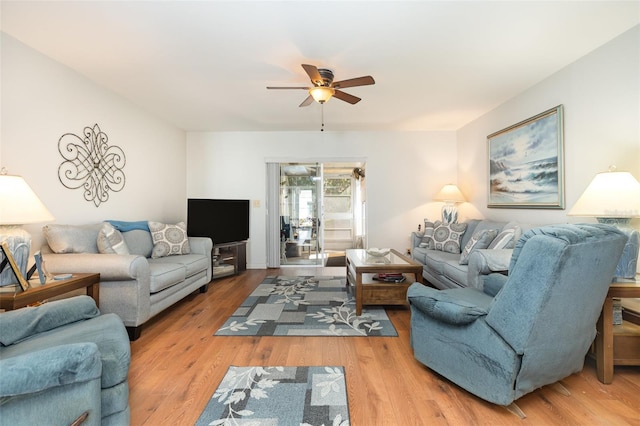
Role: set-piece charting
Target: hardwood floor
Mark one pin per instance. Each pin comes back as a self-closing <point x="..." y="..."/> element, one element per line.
<point x="177" y="363"/>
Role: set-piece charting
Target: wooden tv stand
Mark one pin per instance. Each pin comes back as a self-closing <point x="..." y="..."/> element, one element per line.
<point x="228" y="259"/>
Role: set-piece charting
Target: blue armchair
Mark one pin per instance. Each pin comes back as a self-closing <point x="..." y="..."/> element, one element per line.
<point x="538" y="327"/>
<point x="63" y="362"/>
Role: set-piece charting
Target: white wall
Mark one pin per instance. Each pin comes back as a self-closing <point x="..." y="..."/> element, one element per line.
<point x="403" y="172"/>
<point x="601" y="98"/>
<point x="42" y="100"/>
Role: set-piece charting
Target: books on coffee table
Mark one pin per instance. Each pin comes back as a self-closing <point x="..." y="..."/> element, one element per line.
<point x="389" y="277"/>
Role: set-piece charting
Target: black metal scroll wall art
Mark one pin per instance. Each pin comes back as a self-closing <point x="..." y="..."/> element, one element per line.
<point x="90" y="163"/>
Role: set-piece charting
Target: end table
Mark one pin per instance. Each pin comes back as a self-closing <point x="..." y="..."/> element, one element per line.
<point x="606" y="354"/>
<point x="41" y="292"/>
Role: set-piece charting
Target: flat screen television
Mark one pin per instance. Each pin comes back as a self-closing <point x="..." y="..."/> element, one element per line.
<point x="224" y="221"/>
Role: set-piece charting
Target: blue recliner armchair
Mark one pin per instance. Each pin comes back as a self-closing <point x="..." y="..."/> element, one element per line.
<point x="538" y="327"/>
<point x="63" y="362"/>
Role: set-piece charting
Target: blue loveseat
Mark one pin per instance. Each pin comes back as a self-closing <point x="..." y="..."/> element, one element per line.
<point x="444" y="269"/>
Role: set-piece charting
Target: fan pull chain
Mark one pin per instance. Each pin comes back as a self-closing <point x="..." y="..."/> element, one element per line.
<point x="322" y="116"/>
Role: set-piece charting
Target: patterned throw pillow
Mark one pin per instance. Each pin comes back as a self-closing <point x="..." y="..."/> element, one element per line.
<point x="479" y="240"/>
<point x="169" y="240"/>
<point x="427" y="239"/>
<point x="447" y="236"/>
<point x="110" y="240"/>
<point x="505" y="239"/>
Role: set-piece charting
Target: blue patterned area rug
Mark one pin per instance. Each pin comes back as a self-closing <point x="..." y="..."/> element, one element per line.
<point x="307" y="396"/>
<point x="305" y="306"/>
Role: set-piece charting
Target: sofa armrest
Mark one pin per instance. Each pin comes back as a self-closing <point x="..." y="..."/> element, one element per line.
<point x="201" y="245"/>
<point x="486" y="261"/>
<point x="416" y="239"/>
<point x="23" y="323"/>
<point x="112" y="267"/>
<point x="49" y="368"/>
<point x="446" y="306"/>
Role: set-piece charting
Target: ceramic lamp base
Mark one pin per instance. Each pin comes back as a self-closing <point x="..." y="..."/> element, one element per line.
<point x="449" y="213"/>
<point x="628" y="264"/>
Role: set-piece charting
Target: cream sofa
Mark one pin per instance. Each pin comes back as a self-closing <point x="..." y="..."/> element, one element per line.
<point x="135" y="286"/>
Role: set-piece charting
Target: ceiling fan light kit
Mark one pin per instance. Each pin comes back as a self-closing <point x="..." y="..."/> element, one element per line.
<point x="324" y="88"/>
<point x="322" y="94"/>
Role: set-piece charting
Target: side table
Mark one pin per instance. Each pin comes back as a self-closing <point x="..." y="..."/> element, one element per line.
<point x="606" y="355"/>
<point x="40" y="292"/>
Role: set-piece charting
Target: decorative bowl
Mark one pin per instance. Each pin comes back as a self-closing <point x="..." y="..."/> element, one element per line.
<point x="378" y="252"/>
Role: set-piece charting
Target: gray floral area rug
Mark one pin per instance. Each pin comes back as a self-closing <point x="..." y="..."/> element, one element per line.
<point x="305" y="306"/>
<point x="307" y="396"/>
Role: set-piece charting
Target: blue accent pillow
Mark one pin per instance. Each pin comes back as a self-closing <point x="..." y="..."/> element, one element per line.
<point x="124" y="226"/>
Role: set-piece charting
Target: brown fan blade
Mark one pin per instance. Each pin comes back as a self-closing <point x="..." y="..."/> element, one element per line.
<point x="314" y="74"/>
<point x="352" y="82"/>
<point x="346" y="97"/>
<point x="307" y="101"/>
<point x="287" y="87"/>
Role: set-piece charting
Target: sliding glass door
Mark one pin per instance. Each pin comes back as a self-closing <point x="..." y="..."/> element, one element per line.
<point x="301" y="214"/>
<point x="315" y="211"/>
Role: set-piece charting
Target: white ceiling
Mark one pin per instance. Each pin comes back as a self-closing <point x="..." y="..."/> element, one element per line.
<point x="204" y="65"/>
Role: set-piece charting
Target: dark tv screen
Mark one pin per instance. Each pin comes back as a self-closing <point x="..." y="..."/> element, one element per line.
<point x="223" y="221"/>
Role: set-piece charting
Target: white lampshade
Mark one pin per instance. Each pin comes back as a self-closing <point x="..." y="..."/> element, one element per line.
<point x="450" y="194"/>
<point x="321" y="94"/>
<point x="609" y="195"/>
<point x="19" y="205"/>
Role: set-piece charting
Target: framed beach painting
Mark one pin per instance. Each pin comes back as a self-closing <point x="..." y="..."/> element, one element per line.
<point x="526" y="163"/>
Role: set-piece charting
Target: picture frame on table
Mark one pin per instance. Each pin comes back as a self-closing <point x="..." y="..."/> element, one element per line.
<point x="526" y="163"/>
<point x="4" y="247"/>
<point x="39" y="267"/>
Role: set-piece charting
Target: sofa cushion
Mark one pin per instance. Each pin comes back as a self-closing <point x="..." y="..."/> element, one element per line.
<point x="72" y="238"/>
<point x="480" y="240"/>
<point x="493" y="283"/>
<point x="193" y="263"/>
<point x="427" y="238"/>
<point x="456" y="272"/>
<point x="447" y="236"/>
<point x="169" y="239"/>
<point x="435" y="260"/>
<point x="139" y="242"/>
<point x="110" y="240"/>
<point x="165" y="274"/>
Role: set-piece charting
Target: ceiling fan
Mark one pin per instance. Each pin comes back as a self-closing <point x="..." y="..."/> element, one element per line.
<point x="324" y="87"/>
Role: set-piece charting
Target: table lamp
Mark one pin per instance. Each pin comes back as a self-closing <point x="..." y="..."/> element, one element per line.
<point x="451" y="195"/>
<point x="614" y="198"/>
<point x="19" y="205"/>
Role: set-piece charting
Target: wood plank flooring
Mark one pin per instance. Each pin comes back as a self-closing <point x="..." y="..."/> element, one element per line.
<point x="177" y="363"/>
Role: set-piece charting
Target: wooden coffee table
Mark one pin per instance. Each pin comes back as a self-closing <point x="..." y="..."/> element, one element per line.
<point x="41" y="292"/>
<point x="361" y="269"/>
